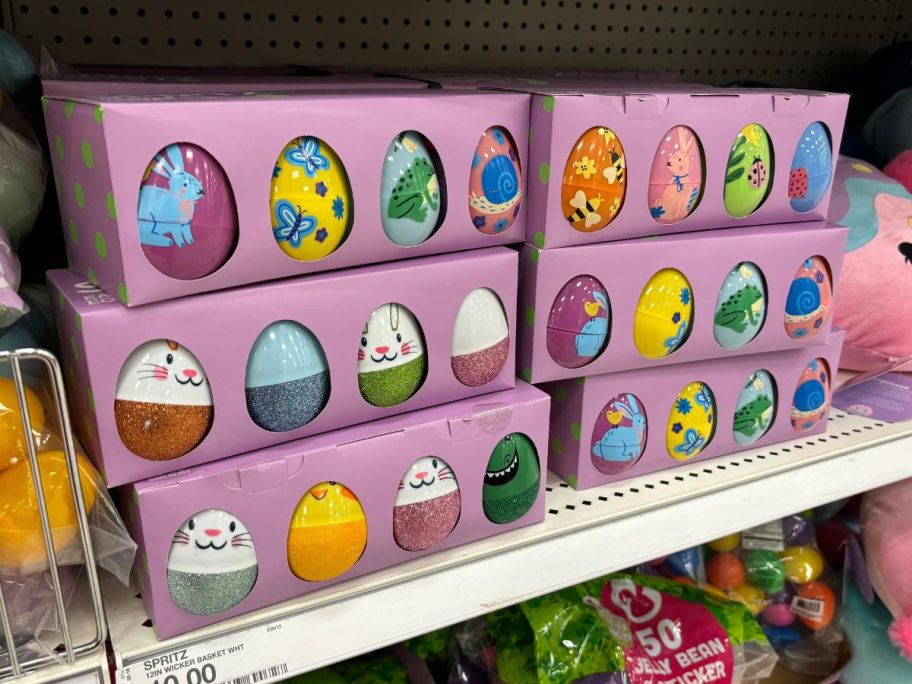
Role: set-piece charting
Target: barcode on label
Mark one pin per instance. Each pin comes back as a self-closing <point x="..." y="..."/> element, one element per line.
<point x="812" y="609"/>
<point x="768" y="537"/>
<point x="261" y="675"/>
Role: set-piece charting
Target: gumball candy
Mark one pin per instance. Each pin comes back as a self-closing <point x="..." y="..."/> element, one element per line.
<point x="821" y="601"/>
<point x="729" y="542"/>
<point x="797" y="530"/>
<point x="778" y="615"/>
<point x="802" y="564"/>
<point x="765" y="570"/>
<point x="725" y="570"/>
<point x="752" y="597"/>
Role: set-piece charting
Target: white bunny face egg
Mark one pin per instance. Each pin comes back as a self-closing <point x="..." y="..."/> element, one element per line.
<point x="481" y="338"/>
<point x="391" y="356"/>
<point x="427" y="505"/>
<point x="163" y="404"/>
<point x="212" y="564"/>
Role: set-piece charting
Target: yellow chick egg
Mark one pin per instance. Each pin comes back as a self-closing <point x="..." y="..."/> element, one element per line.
<point x="328" y="532"/>
<point x="663" y="315"/>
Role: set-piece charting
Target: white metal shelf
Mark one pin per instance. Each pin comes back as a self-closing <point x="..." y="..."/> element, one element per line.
<point x="585" y="534"/>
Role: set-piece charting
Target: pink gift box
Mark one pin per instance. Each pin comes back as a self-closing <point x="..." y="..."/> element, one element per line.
<point x="704" y="258"/>
<point x="102" y="148"/>
<point x="578" y="427"/>
<point x="220" y="329"/>
<point x="259" y="491"/>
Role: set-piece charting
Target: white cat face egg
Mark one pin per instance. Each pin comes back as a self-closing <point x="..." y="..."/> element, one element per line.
<point x="212" y="564"/>
<point x="427" y="505"/>
<point x="481" y="338"/>
<point x="163" y="404"/>
<point x="391" y="356"/>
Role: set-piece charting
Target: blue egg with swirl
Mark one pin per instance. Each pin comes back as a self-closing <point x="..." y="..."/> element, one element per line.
<point x="495" y="182"/>
<point x="810" y="299"/>
<point x="812" y="396"/>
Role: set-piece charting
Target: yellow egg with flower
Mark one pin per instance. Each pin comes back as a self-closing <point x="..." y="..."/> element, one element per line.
<point x="691" y="421"/>
<point x="310" y="200"/>
<point x="663" y="315"/>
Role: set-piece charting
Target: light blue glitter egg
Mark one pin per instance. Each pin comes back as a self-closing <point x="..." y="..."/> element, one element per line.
<point x="287" y="383"/>
<point x="411" y="205"/>
<point x="755" y="408"/>
<point x="740" y="306"/>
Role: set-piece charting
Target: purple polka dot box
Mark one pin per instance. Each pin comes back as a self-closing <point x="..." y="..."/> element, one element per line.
<point x="616" y="426"/>
<point x="225" y="538"/>
<point x="191" y="380"/>
<point x="169" y="194"/>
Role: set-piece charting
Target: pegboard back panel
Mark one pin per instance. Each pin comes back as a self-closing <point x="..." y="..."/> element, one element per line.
<point x="806" y="43"/>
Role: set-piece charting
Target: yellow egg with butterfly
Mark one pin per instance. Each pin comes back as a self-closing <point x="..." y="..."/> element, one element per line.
<point x="691" y="421"/>
<point x="310" y="203"/>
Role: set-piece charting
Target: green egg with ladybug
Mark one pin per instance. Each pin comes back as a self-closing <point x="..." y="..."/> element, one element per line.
<point x="749" y="172"/>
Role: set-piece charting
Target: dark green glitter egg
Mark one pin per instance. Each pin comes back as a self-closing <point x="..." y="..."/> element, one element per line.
<point x="511" y="480"/>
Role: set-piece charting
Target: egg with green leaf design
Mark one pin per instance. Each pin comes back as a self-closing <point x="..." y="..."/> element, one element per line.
<point x="411" y="190"/>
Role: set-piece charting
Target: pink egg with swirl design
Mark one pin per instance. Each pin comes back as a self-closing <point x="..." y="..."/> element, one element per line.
<point x="495" y="182"/>
<point x="186" y="216"/>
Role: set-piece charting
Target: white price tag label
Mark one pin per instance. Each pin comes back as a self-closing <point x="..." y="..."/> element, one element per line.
<point x="254" y="656"/>
<point x="812" y="609"/>
<point x="768" y="537"/>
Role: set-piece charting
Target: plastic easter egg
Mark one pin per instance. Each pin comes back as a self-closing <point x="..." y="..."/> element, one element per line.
<point x="778" y="614"/>
<point x="817" y="605"/>
<point x="812" y="396"/>
<point x="752" y="597"/>
<point x="797" y="530"/>
<point x="13" y="447"/>
<point x="765" y="570"/>
<point x="427" y="505"/>
<point x="391" y="356"/>
<point x="579" y="322"/>
<point x="411" y="202"/>
<point x="619" y="434"/>
<point x="729" y="542"/>
<point x="481" y="338"/>
<point x="163" y="404"/>
<point x="495" y="182"/>
<point x="740" y="307"/>
<point x="686" y="562"/>
<point x="663" y="315"/>
<point x="287" y="381"/>
<point x="212" y="563"/>
<point x="691" y="422"/>
<point x="594" y="180"/>
<point x="328" y="532"/>
<point x="310" y="205"/>
<point x="715" y="591"/>
<point x="802" y="564"/>
<point x="755" y="408"/>
<point x="812" y="168"/>
<point x="22" y="549"/>
<point x="676" y="178"/>
<point x="511" y="479"/>
<point x="684" y="580"/>
<point x="188" y="224"/>
<point x="725" y="571"/>
<point x="749" y="173"/>
<point x="810" y="299"/>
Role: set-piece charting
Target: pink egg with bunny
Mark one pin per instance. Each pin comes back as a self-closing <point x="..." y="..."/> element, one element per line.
<point x="676" y="178"/>
<point x="186" y="216"/>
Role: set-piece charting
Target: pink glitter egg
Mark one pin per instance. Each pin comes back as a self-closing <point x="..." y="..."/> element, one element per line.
<point x="676" y="178"/>
<point x="481" y="338"/>
<point x="495" y="182"/>
<point x="427" y="505"/>
<point x="810" y="299"/>
<point x="187" y="217"/>
<point x="579" y="322"/>
<point x="619" y="435"/>
<point x="812" y="396"/>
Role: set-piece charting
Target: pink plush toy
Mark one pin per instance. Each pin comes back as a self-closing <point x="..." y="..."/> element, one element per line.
<point x="900" y="168"/>
<point x="886" y="518"/>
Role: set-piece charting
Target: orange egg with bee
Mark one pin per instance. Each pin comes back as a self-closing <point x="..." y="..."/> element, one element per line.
<point x="594" y="181"/>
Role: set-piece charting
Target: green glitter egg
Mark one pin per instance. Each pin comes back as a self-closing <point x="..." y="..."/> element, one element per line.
<point x="391" y="359"/>
<point x="511" y="479"/>
<point x="764" y="569"/>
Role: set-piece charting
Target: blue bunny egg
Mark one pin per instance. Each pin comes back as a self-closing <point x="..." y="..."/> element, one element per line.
<point x="619" y="435"/>
<point x="812" y="168"/>
<point x="740" y="307"/>
<point x="411" y="185"/>
<point x="287" y="382"/>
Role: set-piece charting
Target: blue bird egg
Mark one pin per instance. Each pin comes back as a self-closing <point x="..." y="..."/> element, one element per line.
<point x="812" y="168"/>
<point x="803" y="297"/>
<point x="412" y="201"/>
<point x="287" y="383"/>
